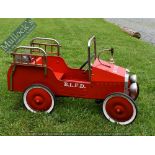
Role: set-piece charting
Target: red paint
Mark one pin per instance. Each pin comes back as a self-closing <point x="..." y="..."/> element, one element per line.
<point x="66" y="81"/>
<point x="110" y="74"/>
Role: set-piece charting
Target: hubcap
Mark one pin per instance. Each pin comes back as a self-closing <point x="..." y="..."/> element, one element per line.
<point x="38" y="100"/>
<point x="119" y="109"/>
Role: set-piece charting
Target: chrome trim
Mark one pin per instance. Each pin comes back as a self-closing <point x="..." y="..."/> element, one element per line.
<point x="127" y="70"/>
<point x="133" y="78"/>
<point x="126" y="83"/>
<point x="30" y="47"/>
<point x="89" y="56"/>
<point x="133" y="87"/>
<point x="53" y="42"/>
<point x="90" y="41"/>
<point x="48" y="39"/>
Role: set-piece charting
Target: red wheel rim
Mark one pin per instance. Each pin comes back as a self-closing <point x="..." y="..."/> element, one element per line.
<point x="119" y="109"/>
<point x="39" y="99"/>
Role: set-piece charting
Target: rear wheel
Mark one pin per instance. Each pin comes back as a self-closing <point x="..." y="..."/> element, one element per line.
<point x="119" y="108"/>
<point x="38" y="98"/>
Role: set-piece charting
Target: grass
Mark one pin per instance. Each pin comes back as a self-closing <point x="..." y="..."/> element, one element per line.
<point x="79" y="116"/>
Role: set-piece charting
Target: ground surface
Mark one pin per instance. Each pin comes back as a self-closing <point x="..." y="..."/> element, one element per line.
<point x="78" y="116"/>
<point x="146" y="26"/>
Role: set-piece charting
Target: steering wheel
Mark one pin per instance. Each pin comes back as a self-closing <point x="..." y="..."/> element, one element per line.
<point x="106" y="50"/>
<point x="85" y="63"/>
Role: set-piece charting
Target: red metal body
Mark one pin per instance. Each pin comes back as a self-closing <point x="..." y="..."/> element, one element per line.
<point x="65" y="81"/>
<point x="42" y="74"/>
<point x="101" y="79"/>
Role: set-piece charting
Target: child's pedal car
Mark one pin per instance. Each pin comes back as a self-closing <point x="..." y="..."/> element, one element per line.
<point x="41" y="74"/>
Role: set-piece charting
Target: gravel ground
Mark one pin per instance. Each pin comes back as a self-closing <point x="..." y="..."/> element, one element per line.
<point x="146" y="26"/>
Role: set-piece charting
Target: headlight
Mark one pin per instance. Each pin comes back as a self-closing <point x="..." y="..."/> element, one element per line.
<point x="127" y="70"/>
<point x="133" y="90"/>
<point x="133" y="78"/>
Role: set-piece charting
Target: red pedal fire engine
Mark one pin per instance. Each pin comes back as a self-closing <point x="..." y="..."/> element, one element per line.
<point x="42" y="74"/>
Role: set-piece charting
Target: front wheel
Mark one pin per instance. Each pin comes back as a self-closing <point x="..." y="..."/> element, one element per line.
<point x="38" y="98"/>
<point x="119" y="108"/>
